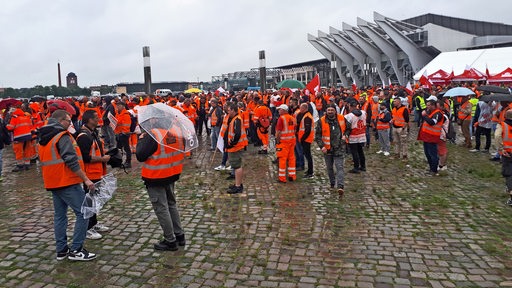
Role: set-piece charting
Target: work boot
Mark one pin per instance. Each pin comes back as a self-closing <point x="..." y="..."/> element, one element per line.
<point x="165" y="245"/>
<point x="181" y="239"/>
<point x="18" y="168"/>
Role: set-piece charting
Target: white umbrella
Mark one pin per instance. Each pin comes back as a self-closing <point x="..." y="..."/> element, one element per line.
<point x="177" y="126"/>
<point x="459" y="91"/>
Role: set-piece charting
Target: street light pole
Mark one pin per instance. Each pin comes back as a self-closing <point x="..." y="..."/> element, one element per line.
<point x="263" y="72"/>
<point x="147" y="70"/>
<point x="333" y="71"/>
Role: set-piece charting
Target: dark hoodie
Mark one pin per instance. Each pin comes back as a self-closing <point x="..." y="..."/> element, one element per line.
<point x="65" y="146"/>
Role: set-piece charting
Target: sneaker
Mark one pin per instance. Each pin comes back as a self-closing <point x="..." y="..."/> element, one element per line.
<point x="442" y="168"/>
<point x="92" y="234"/>
<point x="227" y="168"/>
<point x="341" y="192"/>
<point x="230" y="177"/>
<point x="181" y="240"/>
<point x="380" y="151"/>
<point x="81" y="255"/>
<point x="509" y="202"/>
<point x="165" y="245"/>
<point x="235" y="189"/>
<point x="18" y="168"/>
<point x="474" y="150"/>
<point x="220" y="168"/>
<point x="308" y="175"/>
<point x="362" y="169"/>
<point x="101" y="228"/>
<point x="63" y="254"/>
<point x="386" y="153"/>
<point x="485" y="150"/>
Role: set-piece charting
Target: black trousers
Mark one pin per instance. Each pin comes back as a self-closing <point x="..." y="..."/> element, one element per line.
<point x="123" y="143"/>
<point x="483" y="131"/>
<point x="306" y="150"/>
<point x="358" y="155"/>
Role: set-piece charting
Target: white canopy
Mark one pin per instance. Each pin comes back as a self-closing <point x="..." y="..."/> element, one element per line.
<point x="495" y="59"/>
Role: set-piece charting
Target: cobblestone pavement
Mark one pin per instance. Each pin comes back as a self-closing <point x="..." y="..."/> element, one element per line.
<point x="395" y="227"/>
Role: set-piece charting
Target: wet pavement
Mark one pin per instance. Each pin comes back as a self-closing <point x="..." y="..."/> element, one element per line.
<point x="395" y="227"/>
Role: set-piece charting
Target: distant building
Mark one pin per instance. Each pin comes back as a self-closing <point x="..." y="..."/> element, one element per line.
<point x="71" y="80"/>
<point x="130" y="88"/>
<point x="394" y="50"/>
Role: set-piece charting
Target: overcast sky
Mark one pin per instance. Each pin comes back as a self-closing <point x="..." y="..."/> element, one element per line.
<point x="101" y="40"/>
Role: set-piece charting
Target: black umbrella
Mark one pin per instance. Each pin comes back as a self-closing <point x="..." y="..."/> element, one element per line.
<point x="493" y="89"/>
<point x="498" y="97"/>
<point x="37" y="98"/>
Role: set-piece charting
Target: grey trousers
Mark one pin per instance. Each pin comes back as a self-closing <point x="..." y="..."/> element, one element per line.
<point x="332" y="161"/>
<point x="384" y="140"/>
<point x="163" y="200"/>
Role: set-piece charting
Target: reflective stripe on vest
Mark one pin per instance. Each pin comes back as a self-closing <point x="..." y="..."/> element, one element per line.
<point x="288" y="133"/>
<point x="167" y="160"/>
<point x="433" y="130"/>
<point x="326" y="130"/>
<point x="302" y="129"/>
<point x="382" y="125"/>
<point x="56" y="174"/>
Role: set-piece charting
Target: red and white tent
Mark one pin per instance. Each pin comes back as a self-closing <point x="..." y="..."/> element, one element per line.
<point x="469" y="74"/>
<point x="440" y="77"/>
<point x="503" y="76"/>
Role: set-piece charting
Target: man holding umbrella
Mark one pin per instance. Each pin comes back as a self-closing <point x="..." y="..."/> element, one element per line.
<point x="161" y="148"/>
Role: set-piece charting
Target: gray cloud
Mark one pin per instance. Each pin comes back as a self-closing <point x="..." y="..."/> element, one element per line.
<point x="101" y="41"/>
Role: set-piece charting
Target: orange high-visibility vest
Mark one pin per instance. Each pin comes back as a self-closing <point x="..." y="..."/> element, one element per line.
<point x="506" y="134"/>
<point x="56" y="174"/>
<point x="382" y="125"/>
<point x="224" y="126"/>
<point x="124" y="121"/>
<point x="242" y="141"/>
<point x="326" y="130"/>
<point x="398" y="116"/>
<point x="167" y="159"/>
<point x="375" y="110"/>
<point x="20" y="124"/>
<point x="288" y="132"/>
<point x="302" y="129"/>
<point x="94" y="170"/>
<point x="434" y="130"/>
<point x="460" y="114"/>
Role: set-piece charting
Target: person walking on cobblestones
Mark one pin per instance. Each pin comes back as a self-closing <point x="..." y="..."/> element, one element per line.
<point x="63" y="174"/>
<point x="356" y="128"/>
<point x="163" y="163"/>
<point x="330" y="137"/>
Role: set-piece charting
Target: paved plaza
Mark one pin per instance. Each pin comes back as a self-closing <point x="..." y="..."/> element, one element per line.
<point x="395" y="227"/>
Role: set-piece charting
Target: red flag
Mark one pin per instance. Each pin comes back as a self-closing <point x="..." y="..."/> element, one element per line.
<point x="314" y="85"/>
<point x="425" y="81"/>
<point x="354" y="85"/>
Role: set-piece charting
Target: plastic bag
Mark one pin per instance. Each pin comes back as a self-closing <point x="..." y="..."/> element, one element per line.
<point x="103" y="192"/>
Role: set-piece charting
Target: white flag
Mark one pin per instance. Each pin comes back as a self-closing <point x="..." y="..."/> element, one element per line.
<point x="220" y="144"/>
<point x="113" y="120"/>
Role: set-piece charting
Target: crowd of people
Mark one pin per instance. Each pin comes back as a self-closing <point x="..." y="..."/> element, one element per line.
<point x="340" y="121"/>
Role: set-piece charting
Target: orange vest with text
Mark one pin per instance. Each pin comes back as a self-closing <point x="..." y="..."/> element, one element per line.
<point x="167" y="159"/>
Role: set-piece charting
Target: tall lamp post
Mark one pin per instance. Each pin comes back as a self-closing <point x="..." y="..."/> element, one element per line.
<point x="263" y="71"/>
<point x="147" y="70"/>
<point x="333" y="71"/>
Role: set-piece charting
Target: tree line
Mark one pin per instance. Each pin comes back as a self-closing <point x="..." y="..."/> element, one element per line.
<point x="50" y="90"/>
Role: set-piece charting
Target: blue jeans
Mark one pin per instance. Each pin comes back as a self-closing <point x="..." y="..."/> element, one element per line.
<point x="430" y="150"/>
<point x="214" y="136"/>
<point x="72" y="197"/>
<point x="299" y="155"/>
<point x="332" y="161"/>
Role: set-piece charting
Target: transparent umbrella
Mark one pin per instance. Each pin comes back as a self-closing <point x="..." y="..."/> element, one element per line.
<point x="174" y="126"/>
